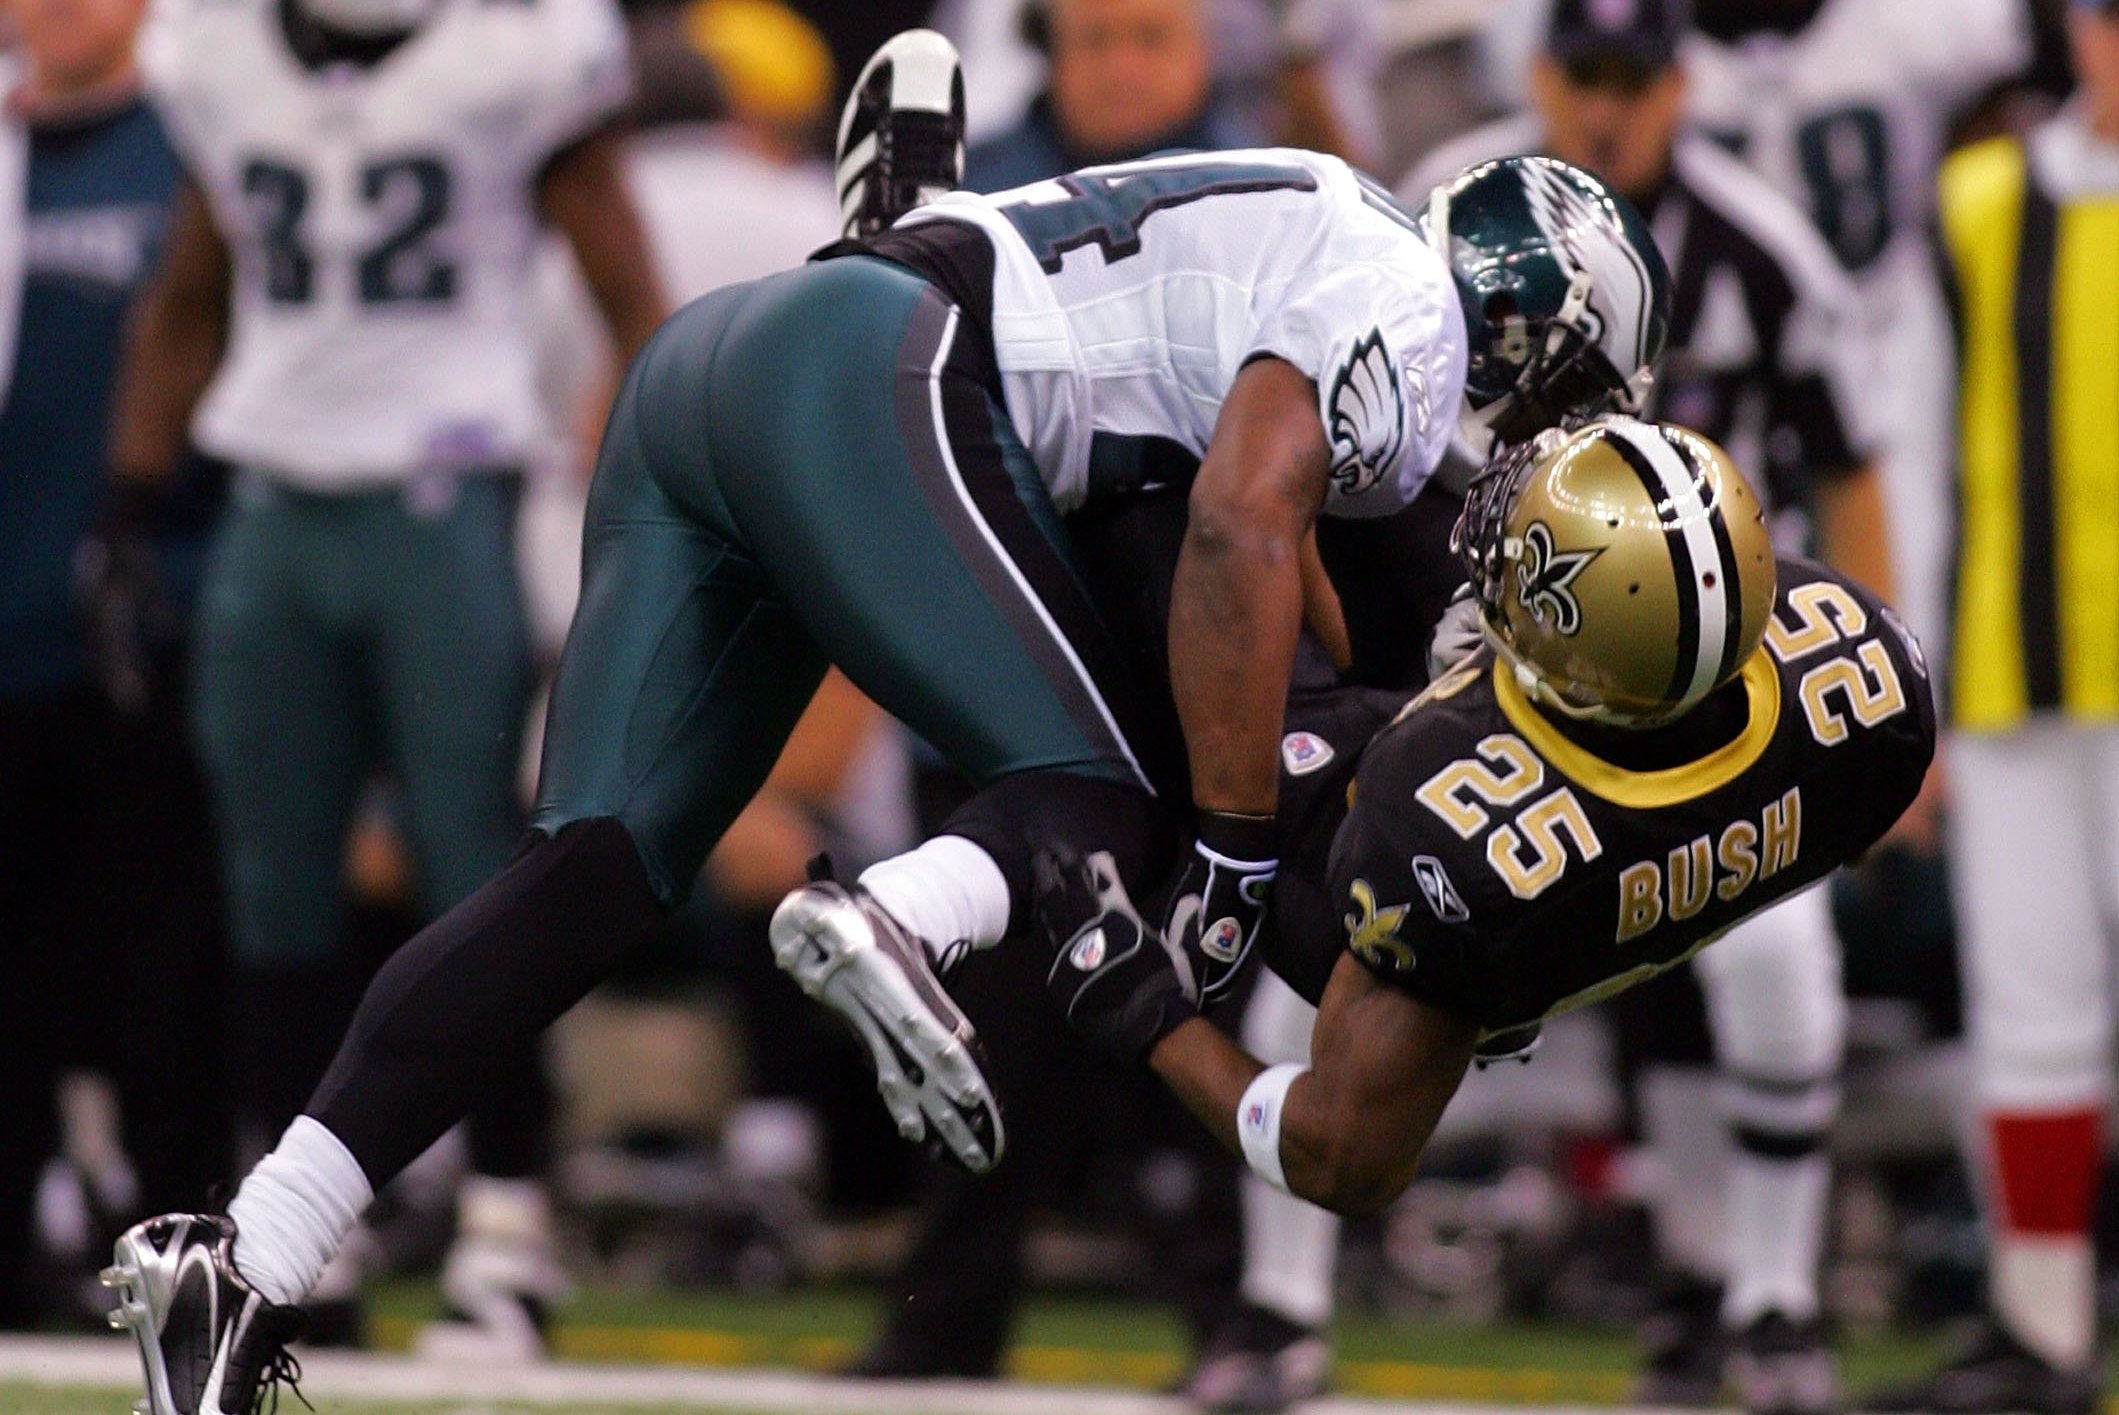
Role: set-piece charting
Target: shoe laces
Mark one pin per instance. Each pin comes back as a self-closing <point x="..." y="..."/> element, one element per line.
<point x="922" y="153"/>
<point x="283" y="1369"/>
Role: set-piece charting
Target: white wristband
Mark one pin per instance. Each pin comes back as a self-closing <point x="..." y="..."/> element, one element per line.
<point x="1258" y="1121"/>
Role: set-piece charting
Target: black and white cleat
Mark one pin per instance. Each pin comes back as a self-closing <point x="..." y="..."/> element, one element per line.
<point x="209" y="1343"/>
<point x="901" y="136"/>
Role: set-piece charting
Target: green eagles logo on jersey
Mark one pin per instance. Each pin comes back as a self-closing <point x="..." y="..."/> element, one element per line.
<point x="1373" y="933"/>
<point x="1367" y="416"/>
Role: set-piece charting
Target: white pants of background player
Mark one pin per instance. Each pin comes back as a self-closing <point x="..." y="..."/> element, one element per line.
<point x="1752" y="1210"/>
<point x="2034" y="858"/>
<point x="1745" y="1199"/>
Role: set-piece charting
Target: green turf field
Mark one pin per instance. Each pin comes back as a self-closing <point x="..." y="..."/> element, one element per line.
<point x="1127" y="1349"/>
<point x="1103" y="1341"/>
<point x="19" y="1399"/>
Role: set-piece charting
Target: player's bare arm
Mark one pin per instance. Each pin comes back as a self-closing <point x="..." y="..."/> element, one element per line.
<point x="1852" y="534"/>
<point x="173" y="346"/>
<point x="582" y="192"/>
<point x="1383" y="1066"/>
<point x="1236" y="604"/>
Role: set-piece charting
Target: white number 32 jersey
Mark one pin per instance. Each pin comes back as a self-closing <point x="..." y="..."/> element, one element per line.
<point x="380" y="222"/>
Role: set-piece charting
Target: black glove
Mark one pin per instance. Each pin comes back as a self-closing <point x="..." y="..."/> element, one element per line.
<point x="1219" y="902"/>
<point x="118" y="590"/>
<point x="1113" y="978"/>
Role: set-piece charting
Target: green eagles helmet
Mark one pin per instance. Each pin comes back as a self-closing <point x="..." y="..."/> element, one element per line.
<point x="1565" y="296"/>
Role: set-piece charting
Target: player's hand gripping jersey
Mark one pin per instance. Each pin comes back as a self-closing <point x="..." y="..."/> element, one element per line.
<point x="1495" y="868"/>
<point x="380" y="221"/>
<point x="1124" y="300"/>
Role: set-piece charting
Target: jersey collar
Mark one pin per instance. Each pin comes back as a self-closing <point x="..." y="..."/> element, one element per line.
<point x="1643" y="790"/>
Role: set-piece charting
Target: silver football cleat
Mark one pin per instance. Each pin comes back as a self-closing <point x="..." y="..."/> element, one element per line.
<point x="849" y="954"/>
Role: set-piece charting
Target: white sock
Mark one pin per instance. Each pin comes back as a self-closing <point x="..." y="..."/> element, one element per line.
<point x="1688" y="1142"/>
<point x="946" y="890"/>
<point x="1290" y="1246"/>
<point x="1776" y="1235"/>
<point x="506" y="1210"/>
<point x="2044" y="1288"/>
<point x="295" y="1210"/>
<point x="1290" y="1249"/>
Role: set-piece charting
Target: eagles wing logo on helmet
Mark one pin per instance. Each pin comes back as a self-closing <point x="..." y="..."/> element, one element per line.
<point x="1367" y="415"/>
<point x="1543" y="576"/>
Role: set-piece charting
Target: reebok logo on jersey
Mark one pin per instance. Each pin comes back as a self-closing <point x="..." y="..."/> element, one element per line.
<point x="1440" y="893"/>
<point x="1365" y="415"/>
<point x="1304" y="752"/>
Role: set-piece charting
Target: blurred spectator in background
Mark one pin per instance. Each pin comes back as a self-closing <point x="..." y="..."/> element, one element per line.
<point x="2031" y="228"/>
<point x="1125" y="78"/>
<point x="1296" y="72"/>
<point x="362" y="229"/>
<point x="105" y="860"/>
<point x="1305" y="71"/>
<point x="1768" y="355"/>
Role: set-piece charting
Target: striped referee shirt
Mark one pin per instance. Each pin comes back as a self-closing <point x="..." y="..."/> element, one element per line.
<point x="1765" y="353"/>
<point x="2032" y="232"/>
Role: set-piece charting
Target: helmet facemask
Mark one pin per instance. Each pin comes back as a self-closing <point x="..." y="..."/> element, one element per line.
<point x="1528" y="370"/>
<point x="1570" y="543"/>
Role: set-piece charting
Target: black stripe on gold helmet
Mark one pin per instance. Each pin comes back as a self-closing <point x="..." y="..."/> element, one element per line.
<point x="1623" y="567"/>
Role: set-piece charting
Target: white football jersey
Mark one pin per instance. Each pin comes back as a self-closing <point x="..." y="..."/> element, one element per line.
<point x="1849" y="115"/>
<point x="380" y="222"/>
<point x="1126" y="298"/>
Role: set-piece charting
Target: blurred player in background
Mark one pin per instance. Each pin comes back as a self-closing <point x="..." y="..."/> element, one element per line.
<point x="106" y="861"/>
<point x="1847" y="106"/>
<point x="1770" y="354"/>
<point x="366" y="181"/>
<point x="2031" y="228"/>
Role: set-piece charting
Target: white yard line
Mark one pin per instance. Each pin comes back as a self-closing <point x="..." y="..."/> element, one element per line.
<point x="93" y="1361"/>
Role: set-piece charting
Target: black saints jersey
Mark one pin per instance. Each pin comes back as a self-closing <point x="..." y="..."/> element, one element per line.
<point x="1503" y="867"/>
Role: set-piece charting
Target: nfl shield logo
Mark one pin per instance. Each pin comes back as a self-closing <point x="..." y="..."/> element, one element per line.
<point x="1303" y="752"/>
<point x="1221" y="942"/>
<point x="1088" y="951"/>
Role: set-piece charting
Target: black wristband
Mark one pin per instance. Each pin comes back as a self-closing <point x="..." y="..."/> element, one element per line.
<point x="1250" y="839"/>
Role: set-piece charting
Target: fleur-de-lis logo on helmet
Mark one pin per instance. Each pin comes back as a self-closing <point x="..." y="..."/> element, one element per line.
<point x="1543" y="577"/>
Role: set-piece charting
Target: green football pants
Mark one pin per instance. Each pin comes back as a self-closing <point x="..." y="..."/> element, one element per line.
<point x="345" y="635"/>
<point x="801" y="471"/>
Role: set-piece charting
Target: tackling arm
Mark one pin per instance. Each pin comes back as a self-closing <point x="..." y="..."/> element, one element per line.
<point x="172" y="347"/>
<point x="1383" y="1067"/>
<point x="583" y="194"/>
<point x="1236" y="603"/>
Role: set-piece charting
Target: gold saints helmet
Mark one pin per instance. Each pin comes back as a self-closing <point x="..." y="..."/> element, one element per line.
<point x="1623" y="568"/>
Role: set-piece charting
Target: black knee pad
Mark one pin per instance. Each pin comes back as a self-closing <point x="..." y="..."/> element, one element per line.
<point x="1019" y="815"/>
